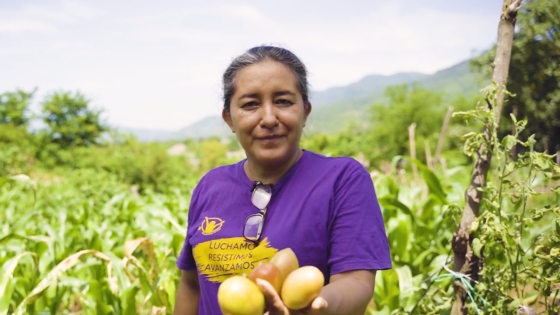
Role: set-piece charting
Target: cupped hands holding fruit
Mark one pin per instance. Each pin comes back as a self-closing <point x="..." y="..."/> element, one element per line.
<point x="276" y="306"/>
<point x="285" y="289"/>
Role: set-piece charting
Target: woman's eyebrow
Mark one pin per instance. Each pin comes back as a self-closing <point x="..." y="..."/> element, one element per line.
<point x="286" y="92"/>
<point x="249" y="95"/>
<point x="276" y="94"/>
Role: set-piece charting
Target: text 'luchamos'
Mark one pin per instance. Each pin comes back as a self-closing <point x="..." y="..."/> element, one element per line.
<point x="222" y="258"/>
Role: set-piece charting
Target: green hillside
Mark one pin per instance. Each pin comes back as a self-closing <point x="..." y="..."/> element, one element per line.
<point x="207" y="127"/>
<point x="334" y="117"/>
<point x="369" y="85"/>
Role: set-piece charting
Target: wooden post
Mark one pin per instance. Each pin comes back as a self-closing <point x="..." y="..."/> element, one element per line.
<point x="412" y="142"/>
<point x="465" y="261"/>
<point x="442" y="134"/>
<point x="429" y="160"/>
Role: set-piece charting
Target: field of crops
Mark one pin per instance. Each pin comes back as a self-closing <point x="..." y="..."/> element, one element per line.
<point x="83" y="243"/>
<point x="87" y="245"/>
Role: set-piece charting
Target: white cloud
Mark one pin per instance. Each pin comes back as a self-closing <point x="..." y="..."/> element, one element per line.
<point x="43" y="18"/>
<point x="23" y="25"/>
<point x="159" y="65"/>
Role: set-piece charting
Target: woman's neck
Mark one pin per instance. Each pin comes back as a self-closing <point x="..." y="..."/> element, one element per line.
<point x="268" y="174"/>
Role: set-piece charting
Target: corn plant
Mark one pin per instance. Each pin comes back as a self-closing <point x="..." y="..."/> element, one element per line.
<point x="87" y="245"/>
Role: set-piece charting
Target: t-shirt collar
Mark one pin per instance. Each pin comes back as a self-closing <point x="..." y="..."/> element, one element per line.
<point x="249" y="183"/>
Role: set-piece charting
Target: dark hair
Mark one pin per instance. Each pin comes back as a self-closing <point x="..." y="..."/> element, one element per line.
<point x="258" y="54"/>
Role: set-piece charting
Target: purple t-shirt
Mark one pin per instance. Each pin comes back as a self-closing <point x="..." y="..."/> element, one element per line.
<point x="325" y="209"/>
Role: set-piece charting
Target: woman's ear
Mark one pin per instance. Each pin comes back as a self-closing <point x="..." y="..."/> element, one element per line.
<point x="226" y="116"/>
<point x="306" y="112"/>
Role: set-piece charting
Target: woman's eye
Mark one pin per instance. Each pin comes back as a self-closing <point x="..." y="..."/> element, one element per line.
<point x="284" y="102"/>
<point x="250" y="104"/>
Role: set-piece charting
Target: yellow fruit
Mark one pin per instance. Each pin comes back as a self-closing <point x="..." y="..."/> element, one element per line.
<point x="286" y="261"/>
<point x="239" y="295"/>
<point x="268" y="272"/>
<point x="302" y="286"/>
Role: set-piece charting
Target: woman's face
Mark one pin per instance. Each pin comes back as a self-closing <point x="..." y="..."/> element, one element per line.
<point x="267" y="112"/>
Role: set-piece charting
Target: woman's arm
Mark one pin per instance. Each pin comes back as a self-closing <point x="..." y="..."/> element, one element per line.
<point x="188" y="294"/>
<point x="347" y="293"/>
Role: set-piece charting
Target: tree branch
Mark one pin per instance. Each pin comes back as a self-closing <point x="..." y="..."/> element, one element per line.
<point x="465" y="260"/>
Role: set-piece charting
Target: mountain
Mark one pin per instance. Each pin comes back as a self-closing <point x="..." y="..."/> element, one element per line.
<point x="454" y="80"/>
<point x="146" y="134"/>
<point x="332" y="118"/>
<point x="335" y="107"/>
<point x="207" y="127"/>
<point x="369" y="85"/>
<point x="204" y="128"/>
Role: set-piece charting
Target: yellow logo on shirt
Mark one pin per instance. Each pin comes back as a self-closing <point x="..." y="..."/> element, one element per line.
<point x="211" y="225"/>
<point x="220" y="259"/>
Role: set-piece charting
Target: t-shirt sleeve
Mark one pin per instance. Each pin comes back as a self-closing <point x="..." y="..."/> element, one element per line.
<point x="186" y="261"/>
<point x="358" y="238"/>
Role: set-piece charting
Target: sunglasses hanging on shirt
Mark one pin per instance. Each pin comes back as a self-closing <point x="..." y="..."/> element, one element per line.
<point x="260" y="198"/>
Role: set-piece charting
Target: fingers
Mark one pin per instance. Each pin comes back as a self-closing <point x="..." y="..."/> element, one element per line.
<point x="273" y="302"/>
<point x="319" y="304"/>
<point x="275" y="305"/>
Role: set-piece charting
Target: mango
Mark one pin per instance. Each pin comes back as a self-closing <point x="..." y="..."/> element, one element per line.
<point x="238" y="295"/>
<point x="301" y="287"/>
<point x="286" y="260"/>
<point x="269" y="272"/>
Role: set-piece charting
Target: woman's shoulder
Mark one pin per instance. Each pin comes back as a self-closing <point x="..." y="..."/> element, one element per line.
<point x="220" y="173"/>
<point x="345" y="165"/>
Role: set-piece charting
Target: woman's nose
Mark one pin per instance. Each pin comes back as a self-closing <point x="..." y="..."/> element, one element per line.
<point x="269" y="118"/>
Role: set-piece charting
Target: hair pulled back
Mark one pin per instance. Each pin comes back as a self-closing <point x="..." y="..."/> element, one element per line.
<point x="262" y="53"/>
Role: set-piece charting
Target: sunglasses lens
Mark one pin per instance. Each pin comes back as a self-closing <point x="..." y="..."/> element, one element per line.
<point x="252" y="227"/>
<point x="261" y="197"/>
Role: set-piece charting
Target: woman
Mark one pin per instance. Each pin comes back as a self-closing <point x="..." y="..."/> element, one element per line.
<point x="280" y="196"/>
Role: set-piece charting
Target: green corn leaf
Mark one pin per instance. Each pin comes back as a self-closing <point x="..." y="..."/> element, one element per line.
<point x="388" y="202"/>
<point x="6" y="285"/>
<point x="433" y="182"/>
<point x="129" y="300"/>
<point x="53" y="276"/>
<point x="406" y="285"/>
<point x="3" y="181"/>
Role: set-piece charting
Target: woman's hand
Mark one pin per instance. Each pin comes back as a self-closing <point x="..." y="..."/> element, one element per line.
<point x="275" y="306"/>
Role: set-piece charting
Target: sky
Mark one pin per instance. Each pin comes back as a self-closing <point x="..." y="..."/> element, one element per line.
<point x="158" y="64"/>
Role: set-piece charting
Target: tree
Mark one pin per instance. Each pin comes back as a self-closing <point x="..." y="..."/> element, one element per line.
<point x="466" y="261"/>
<point x="407" y="105"/>
<point x="534" y="74"/>
<point x="14" y="107"/>
<point x="71" y="121"/>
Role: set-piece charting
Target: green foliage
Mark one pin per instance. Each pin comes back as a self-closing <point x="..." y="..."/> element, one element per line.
<point x="534" y="74"/>
<point x="17" y="149"/>
<point x="420" y="220"/>
<point x="212" y="153"/>
<point x="15" y="159"/>
<point x="144" y="166"/>
<point x="71" y="121"/>
<point x="386" y="135"/>
<point x="512" y="235"/>
<point x="89" y="246"/>
<point x="106" y="221"/>
<point x="14" y="107"/>
<point x="406" y="106"/>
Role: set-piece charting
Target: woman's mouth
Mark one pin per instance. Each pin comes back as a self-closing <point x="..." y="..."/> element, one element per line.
<point x="270" y="139"/>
